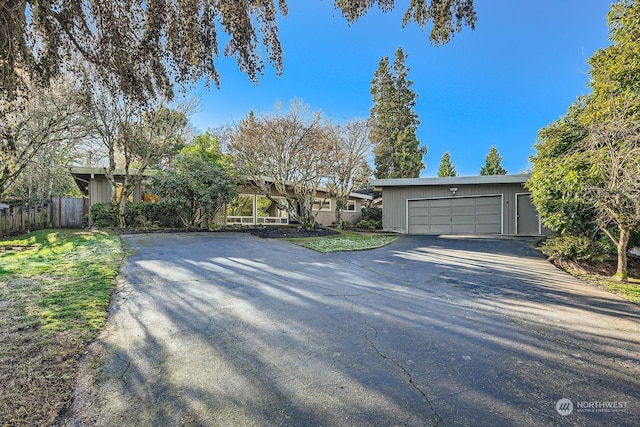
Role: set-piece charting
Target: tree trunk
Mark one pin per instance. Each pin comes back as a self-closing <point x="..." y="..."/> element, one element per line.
<point x="110" y="174"/>
<point x="340" y="205"/>
<point x="623" y="241"/>
<point x="338" y="217"/>
<point x="122" y="203"/>
<point x="125" y="192"/>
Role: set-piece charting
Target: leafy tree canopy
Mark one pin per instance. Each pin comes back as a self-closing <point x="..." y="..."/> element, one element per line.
<point x="142" y="48"/>
<point x="207" y="147"/>
<point x="201" y="184"/>
<point x="615" y="70"/>
<point x="586" y="173"/>
<point x="560" y="175"/>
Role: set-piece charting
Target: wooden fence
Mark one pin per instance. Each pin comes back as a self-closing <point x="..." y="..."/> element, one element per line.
<point x="21" y="219"/>
<point x="67" y="212"/>
<point x="61" y="212"/>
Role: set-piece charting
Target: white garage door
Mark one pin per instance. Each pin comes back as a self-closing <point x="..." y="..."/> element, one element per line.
<point x="456" y="215"/>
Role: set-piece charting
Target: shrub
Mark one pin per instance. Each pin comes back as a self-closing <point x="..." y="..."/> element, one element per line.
<point x="634" y="239"/>
<point x="372" y="214"/>
<point x="103" y="215"/>
<point x="153" y="215"/>
<point x="366" y="224"/>
<point x="363" y="223"/>
<point x="140" y="214"/>
<point x="571" y="248"/>
<point x="134" y="214"/>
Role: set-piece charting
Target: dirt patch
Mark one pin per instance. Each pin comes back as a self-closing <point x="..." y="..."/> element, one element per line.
<point x="605" y="269"/>
<point x="36" y="377"/>
<point x="8" y="249"/>
<point x="601" y="276"/>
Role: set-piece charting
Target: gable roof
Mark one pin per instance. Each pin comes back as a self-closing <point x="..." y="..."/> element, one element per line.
<point x="453" y="180"/>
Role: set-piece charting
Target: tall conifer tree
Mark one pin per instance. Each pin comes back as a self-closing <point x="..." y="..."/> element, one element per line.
<point x="394" y="122"/>
<point x="493" y="163"/>
<point x="446" y="166"/>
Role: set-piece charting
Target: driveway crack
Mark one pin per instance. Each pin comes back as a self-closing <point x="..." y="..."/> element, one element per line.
<point x="405" y="371"/>
<point x="124" y="373"/>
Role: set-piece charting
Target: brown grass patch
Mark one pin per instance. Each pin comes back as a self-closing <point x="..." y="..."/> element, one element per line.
<point x="54" y="295"/>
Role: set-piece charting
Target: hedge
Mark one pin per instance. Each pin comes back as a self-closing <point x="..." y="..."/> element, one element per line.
<point x="140" y="214"/>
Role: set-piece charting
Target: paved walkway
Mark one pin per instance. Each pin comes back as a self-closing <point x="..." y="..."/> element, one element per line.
<point x="215" y="329"/>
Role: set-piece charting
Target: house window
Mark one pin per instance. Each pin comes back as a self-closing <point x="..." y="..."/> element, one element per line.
<point x="118" y="189"/>
<point x="351" y="206"/>
<point x="148" y="197"/>
<point x="269" y="212"/>
<point x="320" y="204"/>
<point x="240" y="211"/>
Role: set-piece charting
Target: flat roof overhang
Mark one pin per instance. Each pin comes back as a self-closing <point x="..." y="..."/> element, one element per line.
<point x="452" y="180"/>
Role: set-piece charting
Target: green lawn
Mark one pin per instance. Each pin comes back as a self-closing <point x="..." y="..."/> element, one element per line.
<point x="629" y="290"/>
<point x="601" y="275"/>
<point x="55" y="287"/>
<point x="345" y="241"/>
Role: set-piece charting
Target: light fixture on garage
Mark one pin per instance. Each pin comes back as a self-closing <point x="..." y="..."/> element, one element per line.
<point x="453" y="191"/>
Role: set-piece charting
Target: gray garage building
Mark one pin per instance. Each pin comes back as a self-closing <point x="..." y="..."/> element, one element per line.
<point x="496" y="204"/>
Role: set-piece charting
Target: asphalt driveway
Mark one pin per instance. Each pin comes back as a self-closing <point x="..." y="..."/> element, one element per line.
<point x="218" y="329"/>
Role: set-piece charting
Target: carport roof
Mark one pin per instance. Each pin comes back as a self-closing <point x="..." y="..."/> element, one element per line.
<point x="453" y="180"/>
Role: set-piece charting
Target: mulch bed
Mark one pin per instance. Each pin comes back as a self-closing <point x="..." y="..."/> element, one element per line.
<point x="268" y="232"/>
<point x="280" y="232"/>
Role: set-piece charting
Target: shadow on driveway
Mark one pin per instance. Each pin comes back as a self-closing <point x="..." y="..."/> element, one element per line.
<point x="225" y="329"/>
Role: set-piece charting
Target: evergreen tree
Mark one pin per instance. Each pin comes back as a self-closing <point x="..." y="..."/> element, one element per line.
<point x="446" y="167"/>
<point x="493" y="163"/>
<point x="394" y="122"/>
<point x="586" y="171"/>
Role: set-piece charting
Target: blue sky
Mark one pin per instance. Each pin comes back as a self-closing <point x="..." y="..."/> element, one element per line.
<point x="521" y="68"/>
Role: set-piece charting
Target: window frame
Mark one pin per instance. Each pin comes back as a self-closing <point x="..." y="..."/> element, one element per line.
<point x="355" y="206"/>
<point x="326" y="207"/>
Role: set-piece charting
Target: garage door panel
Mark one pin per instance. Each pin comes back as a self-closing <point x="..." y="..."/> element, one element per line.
<point x="487" y="218"/>
<point x="439" y="229"/>
<point x="490" y="200"/>
<point x="462" y="215"/>
<point x="463" y="219"/>
<point x="461" y="201"/>
<point x="421" y="229"/>
<point x="435" y="203"/>
<point x="464" y="210"/>
<point x="440" y="219"/>
<point x="463" y="228"/>
<point x="488" y="229"/>
<point x="490" y="209"/>
<point x="419" y="204"/>
<point x="440" y="210"/>
<point x="419" y="215"/>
